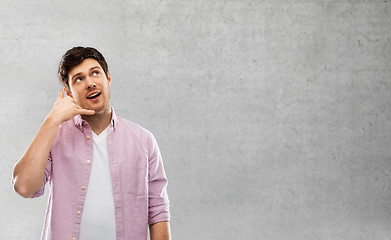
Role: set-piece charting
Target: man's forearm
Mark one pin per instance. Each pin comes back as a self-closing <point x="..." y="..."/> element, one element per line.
<point x="30" y="169"/>
<point x="160" y="231"/>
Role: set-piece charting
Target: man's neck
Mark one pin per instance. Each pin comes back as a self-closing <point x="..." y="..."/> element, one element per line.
<point x="99" y="121"/>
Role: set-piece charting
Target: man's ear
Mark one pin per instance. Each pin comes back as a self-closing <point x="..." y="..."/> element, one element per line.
<point x="67" y="92"/>
<point x="109" y="78"/>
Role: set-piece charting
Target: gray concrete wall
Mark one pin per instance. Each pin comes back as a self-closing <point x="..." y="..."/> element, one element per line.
<point x="273" y="117"/>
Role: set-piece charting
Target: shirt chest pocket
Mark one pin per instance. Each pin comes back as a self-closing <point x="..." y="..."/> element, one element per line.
<point x="134" y="175"/>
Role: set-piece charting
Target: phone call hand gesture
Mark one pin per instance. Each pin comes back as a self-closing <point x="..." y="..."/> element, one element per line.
<point x="66" y="108"/>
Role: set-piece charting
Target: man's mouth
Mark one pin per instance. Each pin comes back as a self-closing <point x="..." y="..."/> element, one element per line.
<point x="94" y="95"/>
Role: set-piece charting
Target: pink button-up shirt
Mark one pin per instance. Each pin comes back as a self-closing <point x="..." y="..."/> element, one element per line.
<point x="138" y="178"/>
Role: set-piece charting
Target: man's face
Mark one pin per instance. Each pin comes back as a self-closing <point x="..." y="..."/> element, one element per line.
<point x="89" y="86"/>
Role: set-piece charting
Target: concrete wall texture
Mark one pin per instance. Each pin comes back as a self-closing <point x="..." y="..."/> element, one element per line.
<point x="273" y="117"/>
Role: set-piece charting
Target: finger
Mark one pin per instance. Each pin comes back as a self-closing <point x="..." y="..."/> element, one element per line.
<point x="86" y="112"/>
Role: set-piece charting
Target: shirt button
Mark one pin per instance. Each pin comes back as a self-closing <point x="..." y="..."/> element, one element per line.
<point x="84" y="123"/>
<point x="83" y="187"/>
<point x="78" y="212"/>
<point x="89" y="161"/>
<point x="88" y="136"/>
<point x="73" y="238"/>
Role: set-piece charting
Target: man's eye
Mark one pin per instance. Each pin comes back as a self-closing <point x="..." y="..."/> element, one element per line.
<point x="95" y="73"/>
<point x="78" y="79"/>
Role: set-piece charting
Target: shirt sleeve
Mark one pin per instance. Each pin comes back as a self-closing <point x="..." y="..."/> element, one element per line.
<point x="48" y="171"/>
<point x="158" y="202"/>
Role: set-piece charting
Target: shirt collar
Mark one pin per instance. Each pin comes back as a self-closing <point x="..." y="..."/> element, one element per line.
<point x="80" y="123"/>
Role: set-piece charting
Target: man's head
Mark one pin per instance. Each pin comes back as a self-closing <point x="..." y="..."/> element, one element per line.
<point x="74" y="57"/>
<point x="84" y="74"/>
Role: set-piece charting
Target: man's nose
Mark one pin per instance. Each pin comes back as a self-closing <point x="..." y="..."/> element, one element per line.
<point x="90" y="83"/>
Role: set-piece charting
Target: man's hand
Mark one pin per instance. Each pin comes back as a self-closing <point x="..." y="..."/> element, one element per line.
<point x="66" y="108"/>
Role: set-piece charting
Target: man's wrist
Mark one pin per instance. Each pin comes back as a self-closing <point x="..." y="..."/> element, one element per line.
<point x="51" y="122"/>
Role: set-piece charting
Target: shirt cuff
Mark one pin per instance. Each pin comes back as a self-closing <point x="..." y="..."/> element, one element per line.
<point x="162" y="214"/>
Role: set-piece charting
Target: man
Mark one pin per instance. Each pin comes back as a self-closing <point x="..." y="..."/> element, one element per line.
<point x="106" y="173"/>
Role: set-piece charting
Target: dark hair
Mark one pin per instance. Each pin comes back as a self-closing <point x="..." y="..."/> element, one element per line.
<point x="74" y="57"/>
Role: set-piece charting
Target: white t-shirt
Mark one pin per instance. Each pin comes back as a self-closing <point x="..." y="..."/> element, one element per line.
<point x="98" y="220"/>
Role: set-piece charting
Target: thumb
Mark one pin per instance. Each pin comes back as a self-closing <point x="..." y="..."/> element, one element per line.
<point x="60" y="95"/>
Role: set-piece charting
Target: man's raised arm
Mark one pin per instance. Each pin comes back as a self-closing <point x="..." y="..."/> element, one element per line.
<point x="29" y="171"/>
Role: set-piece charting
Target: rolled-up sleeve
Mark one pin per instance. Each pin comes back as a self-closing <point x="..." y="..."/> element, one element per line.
<point x="48" y="170"/>
<point x="157" y="196"/>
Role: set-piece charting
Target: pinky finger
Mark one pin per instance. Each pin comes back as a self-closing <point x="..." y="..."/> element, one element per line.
<point x="86" y="112"/>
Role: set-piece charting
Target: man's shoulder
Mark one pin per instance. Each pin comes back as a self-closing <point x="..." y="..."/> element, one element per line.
<point x="66" y="125"/>
<point x="127" y="125"/>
